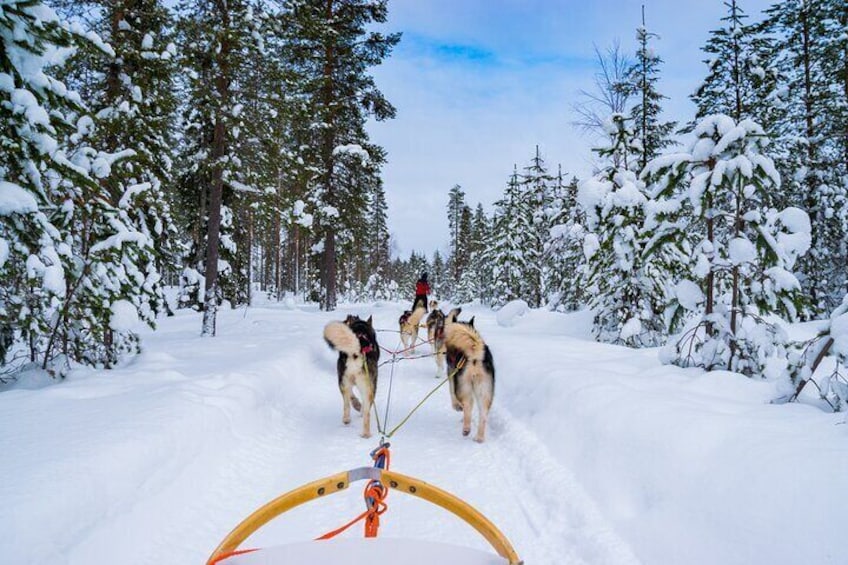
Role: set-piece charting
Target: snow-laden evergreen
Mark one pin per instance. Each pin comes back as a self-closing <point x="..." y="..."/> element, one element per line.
<point x="77" y="263"/>
<point x="622" y="288"/>
<point x="809" y="48"/>
<point x="743" y="249"/>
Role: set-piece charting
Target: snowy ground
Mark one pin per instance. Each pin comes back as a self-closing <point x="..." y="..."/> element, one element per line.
<point x="595" y="454"/>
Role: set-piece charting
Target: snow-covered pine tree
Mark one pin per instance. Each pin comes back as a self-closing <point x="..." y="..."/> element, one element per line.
<point x="480" y="238"/>
<point x="506" y="252"/>
<point x="75" y="269"/>
<point x="806" y="37"/>
<point x="744" y="249"/>
<point x="131" y="93"/>
<point x="738" y="83"/>
<point x="653" y="134"/>
<point x="624" y="291"/>
<point x="377" y="250"/>
<point x="218" y="41"/>
<point x="457" y="259"/>
<point x="536" y="203"/>
<point x="438" y="274"/>
<point x="564" y="248"/>
<point x="333" y="50"/>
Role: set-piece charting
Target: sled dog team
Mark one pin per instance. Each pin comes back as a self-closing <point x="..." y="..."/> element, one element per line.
<point x="470" y="367"/>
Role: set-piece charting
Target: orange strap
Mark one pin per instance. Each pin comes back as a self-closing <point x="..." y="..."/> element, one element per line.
<point x="230" y="554"/>
<point x="375" y="499"/>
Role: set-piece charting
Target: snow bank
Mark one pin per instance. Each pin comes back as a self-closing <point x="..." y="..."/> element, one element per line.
<point x="511" y="311"/>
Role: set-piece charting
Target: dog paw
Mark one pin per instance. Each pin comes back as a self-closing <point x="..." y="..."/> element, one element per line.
<point x="366" y="435"/>
<point x="466" y="432"/>
<point x="479" y="439"/>
<point x="345" y="421"/>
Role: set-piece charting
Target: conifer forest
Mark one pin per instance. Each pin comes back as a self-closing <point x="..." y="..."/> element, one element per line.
<point x="221" y="148"/>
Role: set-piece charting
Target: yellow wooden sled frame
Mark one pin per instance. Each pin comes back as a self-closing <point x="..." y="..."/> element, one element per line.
<point x="340" y="481"/>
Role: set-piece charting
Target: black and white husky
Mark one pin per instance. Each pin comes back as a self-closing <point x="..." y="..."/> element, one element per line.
<point x="356" y="342"/>
<point x="472" y="373"/>
<point x="408" y="323"/>
<point x="436" y="335"/>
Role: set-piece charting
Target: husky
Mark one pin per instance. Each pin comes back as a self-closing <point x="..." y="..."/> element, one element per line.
<point x="356" y="342"/>
<point x="471" y="370"/>
<point x="409" y="325"/>
<point x="436" y="335"/>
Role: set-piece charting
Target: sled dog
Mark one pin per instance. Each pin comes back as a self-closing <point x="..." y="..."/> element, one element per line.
<point x="436" y="335"/>
<point x="472" y="373"/>
<point x="356" y="342"/>
<point x="409" y="326"/>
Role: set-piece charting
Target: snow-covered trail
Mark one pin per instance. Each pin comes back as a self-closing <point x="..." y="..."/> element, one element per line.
<point x="155" y="462"/>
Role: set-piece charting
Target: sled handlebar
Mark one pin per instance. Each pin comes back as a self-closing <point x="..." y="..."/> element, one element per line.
<point x="340" y="481"/>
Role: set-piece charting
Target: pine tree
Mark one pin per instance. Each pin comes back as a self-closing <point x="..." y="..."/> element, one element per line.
<point x="438" y="275"/>
<point x="218" y="41"/>
<point x="506" y="253"/>
<point x="744" y="249"/>
<point x="537" y="199"/>
<point x="653" y="135"/>
<point x="131" y="94"/>
<point x="621" y="285"/>
<point x="457" y="259"/>
<point x="738" y="83"/>
<point x="480" y="238"/>
<point x="564" y="248"/>
<point x="805" y="34"/>
<point x="75" y="269"/>
<point x="333" y="51"/>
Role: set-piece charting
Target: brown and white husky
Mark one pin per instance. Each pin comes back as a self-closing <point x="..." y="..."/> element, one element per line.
<point x="472" y="373"/>
<point x="356" y="342"/>
<point x="436" y="322"/>
<point x="409" y="322"/>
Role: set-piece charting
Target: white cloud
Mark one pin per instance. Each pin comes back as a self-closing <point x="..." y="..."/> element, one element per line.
<point x="479" y="83"/>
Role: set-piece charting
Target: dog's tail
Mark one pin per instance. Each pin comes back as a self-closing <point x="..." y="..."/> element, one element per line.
<point x="340" y="337"/>
<point x="466" y="339"/>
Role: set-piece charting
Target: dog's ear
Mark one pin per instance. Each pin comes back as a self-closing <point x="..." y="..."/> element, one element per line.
<point x="370" y="325"/>
<point x="471" y="322"/>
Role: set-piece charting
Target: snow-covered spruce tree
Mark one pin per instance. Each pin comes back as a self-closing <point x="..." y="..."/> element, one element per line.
<point x="506" y="252"/>
<point x="457" y="259"/>
<point x="480" y="237"/>
<point x="131" y="93"/>
<point x="537" y="200"/>
<point x="744" y="249"/>
<point x="438" y="274"/>
<point x="739" y="83"/>
<point x="806" y="38"/>
<point x="652" y="134"/>
<point x="333" y="50"/>
<point x="624" y="291"/>
<point x="35" y="111"/>
<point x="564" y="249"/>
<point x="80" y="272"/>
<point x="219" y="41"/>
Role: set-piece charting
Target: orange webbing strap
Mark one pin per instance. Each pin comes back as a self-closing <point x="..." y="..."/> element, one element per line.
<point x="375" y="499"/>
<point x="229" y="554"/>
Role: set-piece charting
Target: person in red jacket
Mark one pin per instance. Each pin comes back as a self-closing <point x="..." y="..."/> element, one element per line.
<point x="422" y="289"/>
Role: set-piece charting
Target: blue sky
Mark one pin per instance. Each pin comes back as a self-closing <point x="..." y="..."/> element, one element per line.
<point x="478" y="83"/>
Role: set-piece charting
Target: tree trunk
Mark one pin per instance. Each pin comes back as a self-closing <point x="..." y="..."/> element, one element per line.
<point x="219" y="145"/>
<point x="810" y="180"/>
<point x="328" y="300"/>
<point x="278" y="251"/>
<point x="844" y="22"/>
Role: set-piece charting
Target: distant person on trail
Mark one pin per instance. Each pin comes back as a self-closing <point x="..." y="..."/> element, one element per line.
<point x="422" y="289"/>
